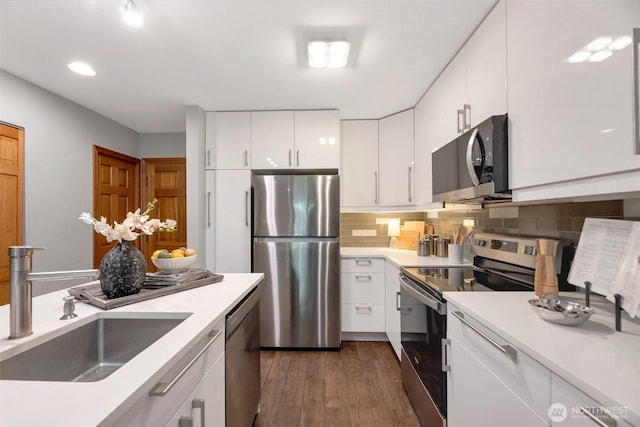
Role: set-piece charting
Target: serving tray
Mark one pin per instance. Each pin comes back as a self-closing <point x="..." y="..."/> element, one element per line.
<point x="92" y="293"/>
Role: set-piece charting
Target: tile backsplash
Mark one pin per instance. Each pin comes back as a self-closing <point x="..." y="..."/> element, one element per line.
<point x="555" y="220"/>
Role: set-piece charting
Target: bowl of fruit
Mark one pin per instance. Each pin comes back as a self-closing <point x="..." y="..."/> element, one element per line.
<point x="177" y="259"/>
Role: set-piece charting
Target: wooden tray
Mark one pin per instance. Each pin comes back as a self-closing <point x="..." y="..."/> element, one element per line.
<point x="92" y="293"/>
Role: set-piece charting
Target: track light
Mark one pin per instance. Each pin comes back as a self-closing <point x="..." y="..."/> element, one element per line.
<point x="131" y="14"/>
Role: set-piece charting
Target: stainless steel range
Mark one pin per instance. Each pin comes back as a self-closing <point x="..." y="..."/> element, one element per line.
<point x="500" y="263"/>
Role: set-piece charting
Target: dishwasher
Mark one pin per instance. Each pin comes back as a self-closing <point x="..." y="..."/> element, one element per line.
<point x="242" y="362"/>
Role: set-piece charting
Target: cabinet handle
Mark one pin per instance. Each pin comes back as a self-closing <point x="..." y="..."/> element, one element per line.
<point x="375" y="188"/>
<point x="185" y="422"/>
<point x="399" y="306"/>
<point x="504" y="348"/>
<point x="636" y="85"/>
<point x="460" y="121"/>
<point x="208" y="157"/>
<point x="209" y="209"/>
<point x="596" y="419"/>
<point x="409" y="185"/>
<point x="246" y="158"/>
<point x="364" y="307"/>
<point x="443" y="351"/>
<point x="361" y="277"/>
<point x="246" y="208"/>
<point x="199" y="404"/>
<point x="467" y="116"/>
<point x="297" y="158"/>
<point x="161" y="389"/>
<point x="363" y="261"/>
<point x="289" y="157"/>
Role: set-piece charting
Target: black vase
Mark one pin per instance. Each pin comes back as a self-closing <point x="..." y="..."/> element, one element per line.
<point x="122" y="270"/>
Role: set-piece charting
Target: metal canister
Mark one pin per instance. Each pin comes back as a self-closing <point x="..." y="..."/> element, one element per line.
<point x="426" y="245"/>
<point x="442" y="246"/>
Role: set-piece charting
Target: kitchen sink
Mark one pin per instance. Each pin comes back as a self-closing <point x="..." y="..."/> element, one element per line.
<point x="90" y="352"/>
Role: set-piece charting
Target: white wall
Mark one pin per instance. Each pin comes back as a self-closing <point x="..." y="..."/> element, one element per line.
<point x="155" y="145"/>
<point x="58" y="164"/>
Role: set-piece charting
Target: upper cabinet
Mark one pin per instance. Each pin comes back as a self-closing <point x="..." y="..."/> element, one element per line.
<point x="295" y="140"/>
<point x="359" y="173"/>
<point x="317" y="139"/>
<point x="571" y="122"/>
<point x="472" y="87"/>
<point x="228" y="140"/>
<point x="396" y="160"/>
<point x="272" y="140"/>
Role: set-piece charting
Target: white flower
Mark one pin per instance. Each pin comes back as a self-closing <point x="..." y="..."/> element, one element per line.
<point x="128" y="230"/>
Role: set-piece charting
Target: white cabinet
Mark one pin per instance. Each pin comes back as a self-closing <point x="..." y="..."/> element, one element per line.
<point x="272" y="140"/>
<point x="209" y="230"/>
<point x="470" y="89"/>
<point x="205" y="407"/>
<point x="359" y="172"/>
<point x="228" y="140"/>
<point x="194" y="376"/>
<point x="362" y="294"/>
<point x="292" y="140"/>
<point x="317" y="139"/>
<point x="571" y="129"/>
<point x="392" y="306"/>
<point x="573" y="408"/>
<point x="232" y="221"/>
<point x="489" y="381"/>
<point x="396" y="160"/>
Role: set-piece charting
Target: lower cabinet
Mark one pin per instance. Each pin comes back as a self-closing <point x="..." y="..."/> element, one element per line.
<point x="194" y="386"/>
<point x="206" y="405"/>
<point x="392" y="306"/>
<point x="571" y="407"/>
<point x="362" y="294"/>
<point x="490" y="382"/>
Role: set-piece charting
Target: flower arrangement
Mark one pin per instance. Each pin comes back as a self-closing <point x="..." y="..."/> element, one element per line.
<point x="135" y="223"/>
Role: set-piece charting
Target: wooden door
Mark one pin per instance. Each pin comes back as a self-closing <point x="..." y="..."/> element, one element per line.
<point x="116" y="191"/>
<point x="11" y="199"/>
<point x="165" y="179"/>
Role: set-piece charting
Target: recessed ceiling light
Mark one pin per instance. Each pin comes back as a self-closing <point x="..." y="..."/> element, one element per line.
<point x="599" y="43"/>
<point x="328" y="54"/>
<point x="82" y="68"/>
<point x="600" y="55"/>
<point x="620" y="43"/>
<point x="131" y="14"/>
<point x="579" y="56"/>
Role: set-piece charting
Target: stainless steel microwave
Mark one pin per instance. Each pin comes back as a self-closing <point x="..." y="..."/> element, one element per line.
<point x="474" y="166"/>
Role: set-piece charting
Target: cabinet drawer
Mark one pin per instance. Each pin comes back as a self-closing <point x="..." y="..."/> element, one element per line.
<point x="525" y="377"/>
<point x="571" y="406"/>
<point x="362" y="265"/>
<point x="362" y="317"/>
<point x="362" y="288"/>
<point x="151" y="411"/>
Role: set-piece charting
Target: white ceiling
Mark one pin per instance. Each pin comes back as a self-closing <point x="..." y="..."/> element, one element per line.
<point x="232" y="54"/>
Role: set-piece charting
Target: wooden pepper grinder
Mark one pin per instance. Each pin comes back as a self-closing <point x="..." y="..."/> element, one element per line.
<point x="545" y="278"/>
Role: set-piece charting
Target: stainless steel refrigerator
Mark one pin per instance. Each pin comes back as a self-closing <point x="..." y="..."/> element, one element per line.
<point x="296" y="245"/>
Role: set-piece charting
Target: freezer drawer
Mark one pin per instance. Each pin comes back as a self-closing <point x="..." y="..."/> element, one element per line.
<point x="300" y="302"/>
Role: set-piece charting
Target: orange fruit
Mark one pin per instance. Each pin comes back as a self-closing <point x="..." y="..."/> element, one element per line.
<point x="189" y="252"/>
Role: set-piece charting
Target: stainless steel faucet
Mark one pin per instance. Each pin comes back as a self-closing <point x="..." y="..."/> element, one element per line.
<point x="20" y="278"/>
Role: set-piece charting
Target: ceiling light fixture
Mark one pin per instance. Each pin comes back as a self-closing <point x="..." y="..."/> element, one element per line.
<point x="328" y="54"/>
<point x="131" y="14"/>
<point x="600" y="55"/>
<point x="82" y="68"/>
<point x="620" y="43"/>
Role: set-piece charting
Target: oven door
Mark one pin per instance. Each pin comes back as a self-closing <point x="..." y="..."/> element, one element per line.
<point x="423" y="327"/>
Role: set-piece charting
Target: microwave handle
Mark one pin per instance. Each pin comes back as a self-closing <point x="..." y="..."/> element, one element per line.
<point x="469" y="159"/>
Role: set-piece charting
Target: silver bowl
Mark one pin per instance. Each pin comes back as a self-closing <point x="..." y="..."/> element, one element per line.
<point x="561" y="312"/>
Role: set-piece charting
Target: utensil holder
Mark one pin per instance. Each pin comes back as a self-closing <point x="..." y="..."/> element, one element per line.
<point x="455" y="253"/>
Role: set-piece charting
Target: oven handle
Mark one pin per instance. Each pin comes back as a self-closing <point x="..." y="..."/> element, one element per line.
<point x="504" y="348"/>
<point x="438" y="306"/>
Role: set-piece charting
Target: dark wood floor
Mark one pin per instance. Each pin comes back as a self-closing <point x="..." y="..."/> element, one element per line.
<point x="356" y="386"/>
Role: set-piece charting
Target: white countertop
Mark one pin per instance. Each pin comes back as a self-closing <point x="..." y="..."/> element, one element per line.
<point x="596" y="359"/>
<point x="400" y="257"/>
<point x="65" y="404"/>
